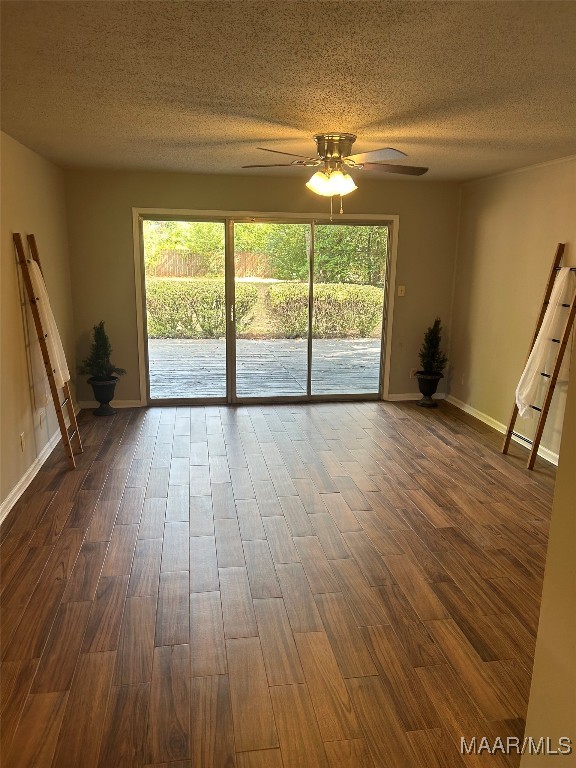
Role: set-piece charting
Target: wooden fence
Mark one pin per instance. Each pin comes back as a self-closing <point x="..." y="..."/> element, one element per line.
<point x="179" y="263"/>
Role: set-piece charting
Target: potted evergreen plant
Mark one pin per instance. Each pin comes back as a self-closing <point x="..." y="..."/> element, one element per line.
<point x="103" y="373"/>
<point x="433" y="362"/>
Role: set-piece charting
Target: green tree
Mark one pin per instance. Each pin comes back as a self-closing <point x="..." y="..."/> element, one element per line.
<point x="342" y="253"/>
<point x="350" y="254"/>
<point x="201" y="239"/>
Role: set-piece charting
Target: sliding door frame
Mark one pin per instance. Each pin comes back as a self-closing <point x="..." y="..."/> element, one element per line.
<point x="229" y="218"/>
<point x="271" y="219"/>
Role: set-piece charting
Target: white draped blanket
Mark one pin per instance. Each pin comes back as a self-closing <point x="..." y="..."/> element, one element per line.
<point x="544" y="352"/>
<point x="53" y="341"/>
<point x="39" y="378"/>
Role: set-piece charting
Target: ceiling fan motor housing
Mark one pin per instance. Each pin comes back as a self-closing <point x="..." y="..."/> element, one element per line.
<point x="334" y="146"/>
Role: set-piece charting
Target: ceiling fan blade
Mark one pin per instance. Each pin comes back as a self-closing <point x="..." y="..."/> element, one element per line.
<point x="407" y="170"/>
<point x="278" y="152"/>
<point x="271" y="165"/>
<point x="378" y="155"/>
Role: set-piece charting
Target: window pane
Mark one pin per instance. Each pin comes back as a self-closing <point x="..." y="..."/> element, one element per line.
<point x="185" y="307"/>
<point x="349" y="278"/>
<point x="271" y="308"/>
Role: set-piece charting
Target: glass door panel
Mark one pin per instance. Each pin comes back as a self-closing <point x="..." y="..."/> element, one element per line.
<point x="271" y="263"/>
<point x="185" y="308"/>
<point x="348" y="308"/>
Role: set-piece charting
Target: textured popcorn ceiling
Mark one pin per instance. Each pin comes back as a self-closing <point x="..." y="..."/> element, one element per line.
<point x="466" y="88"/>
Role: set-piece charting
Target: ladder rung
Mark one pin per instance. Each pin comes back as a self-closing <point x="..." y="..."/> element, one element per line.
<point x="63" y="403"/>
<point x="556" y="341"/>
<point x="546" y="375"/>
<point x="71" y="434"/>
<point x="561" y="305"/>
<point x="535" y="408"/>
<point x="521" y="437"/>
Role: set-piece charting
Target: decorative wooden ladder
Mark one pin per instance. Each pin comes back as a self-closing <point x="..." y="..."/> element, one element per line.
<point x="74" y="434"/>
<point x="553" y="377"/>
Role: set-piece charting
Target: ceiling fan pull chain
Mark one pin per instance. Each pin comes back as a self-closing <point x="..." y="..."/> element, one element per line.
<point x="341" y="206"/>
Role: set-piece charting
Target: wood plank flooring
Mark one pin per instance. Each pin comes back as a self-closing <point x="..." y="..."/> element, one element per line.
<point x="284" y="586"/>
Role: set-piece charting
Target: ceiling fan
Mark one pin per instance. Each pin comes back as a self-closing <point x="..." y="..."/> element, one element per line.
<point x="333" y="153"/>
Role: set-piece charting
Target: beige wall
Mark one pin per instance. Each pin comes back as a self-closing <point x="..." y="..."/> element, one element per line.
<point x="509" y="228"/>
<point x="552" y="706"/>
<point x="100" y="207"/>
<point x="33" y="201"/>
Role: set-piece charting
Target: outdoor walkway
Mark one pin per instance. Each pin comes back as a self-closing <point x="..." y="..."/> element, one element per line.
<point x="188" y="368"/>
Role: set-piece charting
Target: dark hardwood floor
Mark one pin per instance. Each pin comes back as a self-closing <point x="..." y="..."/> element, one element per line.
<point x="339" y="585"/>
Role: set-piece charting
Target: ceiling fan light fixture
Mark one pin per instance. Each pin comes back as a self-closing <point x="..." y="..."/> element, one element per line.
<point x="320" y="183"/>
<point x="342" y="183"/>
<point x="331" y="183"/>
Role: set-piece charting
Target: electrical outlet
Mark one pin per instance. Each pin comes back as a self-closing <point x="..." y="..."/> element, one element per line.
<point x="413" y="373"/>
<point x="22" y="442"/>
<point x="401" y="290"/>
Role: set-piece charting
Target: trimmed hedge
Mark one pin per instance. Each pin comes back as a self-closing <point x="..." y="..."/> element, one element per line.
<point x="287" y="305"/>
<point x="181" y="308"/>
<point x="339" y="309"/>
<point x="185" y="308"/>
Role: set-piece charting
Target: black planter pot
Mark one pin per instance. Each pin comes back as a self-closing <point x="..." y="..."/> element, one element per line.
<point x="428" y="384"/>
<point x="103" y="393"/>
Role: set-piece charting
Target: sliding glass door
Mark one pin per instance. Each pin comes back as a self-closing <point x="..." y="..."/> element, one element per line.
<point x="271" y="290"/>
<point x="185" y="309"/>
<point x="348" y="308"/>
<point x="248" y="310"/>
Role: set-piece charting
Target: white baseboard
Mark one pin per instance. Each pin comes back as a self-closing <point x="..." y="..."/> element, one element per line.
<point x="31" y="472"/>
<point x="29" y="475"/>
<point x="544" y="453"/>
<point x="87" y="405"/>
<point x="413" y="396"/>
